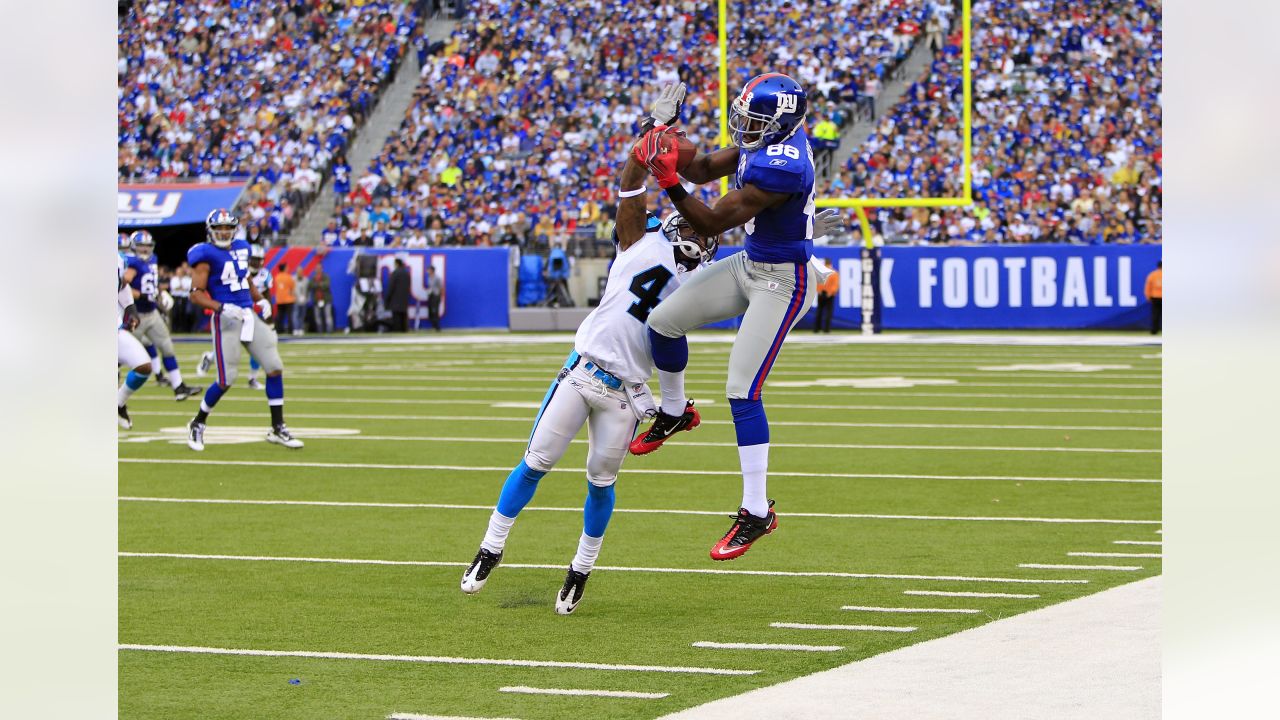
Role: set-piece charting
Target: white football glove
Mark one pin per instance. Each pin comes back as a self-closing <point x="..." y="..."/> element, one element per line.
<point x="826" y="223"/>
<point x="666" y="109"/>
<point x="264" y="308"/>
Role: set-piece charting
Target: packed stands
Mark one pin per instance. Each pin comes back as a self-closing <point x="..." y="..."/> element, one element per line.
<point x="1067" y="130"/>
<point x="267" y="90"/>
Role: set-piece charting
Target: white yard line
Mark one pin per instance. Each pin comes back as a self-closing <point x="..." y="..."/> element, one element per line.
<point x="652" y="511"/>
<point x="524" y="419"/>
<point x="432" y="659"/>
<point x="766" y="646"/>
<point x="1137" y="542"/>
<point x="866" y="608"/>
<point x="806" y="406"/>
<point x="609" y="568"/>
<point x="860" y="628"/>
<point x="728" y="444"/>
<point x="590" y="693"/>
<point x="1115" y="555"/>
<point x="1094" y="657"/>
<point x="1052" y="566"/>
<point x="416" y="716"/>
<point x="947" y="593"/>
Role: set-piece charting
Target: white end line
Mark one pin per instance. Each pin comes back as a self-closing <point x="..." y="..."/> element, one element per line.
<point x="433" y="659"/>
<point x="865" y="608"/>
<point x="766" y="646"/>
<point x="1137" y="542"/>
<point x="945" y="593"/>
<point x="868" y="628"/>
<point x="591" y="693"/>
<point x="416" y="716"/>
<point x="1046" y="566"/>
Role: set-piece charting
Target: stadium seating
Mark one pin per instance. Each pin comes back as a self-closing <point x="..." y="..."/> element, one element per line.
<point x="1067" y="138"/>
<point x="266" y="90"/>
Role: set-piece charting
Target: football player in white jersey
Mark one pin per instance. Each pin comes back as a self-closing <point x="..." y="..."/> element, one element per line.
<point x="602" y="384"/>
<point x="129" y="352"/>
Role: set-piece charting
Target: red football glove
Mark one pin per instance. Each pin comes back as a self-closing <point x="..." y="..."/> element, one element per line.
<point x="658" y="152"/>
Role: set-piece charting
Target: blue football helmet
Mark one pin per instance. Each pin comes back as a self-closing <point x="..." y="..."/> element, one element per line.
<point x="770" y="108"/>
<point x="221" y="226"/>
<point x="142" y="244"/>
<point x="122" y="244"/>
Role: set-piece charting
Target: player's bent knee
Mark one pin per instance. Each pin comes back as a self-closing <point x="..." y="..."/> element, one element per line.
<point x="601" y="480"/>
<point x="663" y="321"/>
<point x="539" y="461"/>
<point x="143" y="369"/>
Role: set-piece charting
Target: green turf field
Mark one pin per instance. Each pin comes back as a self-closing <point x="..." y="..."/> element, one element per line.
<point x="949" y="479"/>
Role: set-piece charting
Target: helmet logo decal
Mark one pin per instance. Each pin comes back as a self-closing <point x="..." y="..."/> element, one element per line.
<point x="787" y="103"/>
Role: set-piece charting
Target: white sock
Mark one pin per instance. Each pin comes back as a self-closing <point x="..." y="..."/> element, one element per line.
<point x="122" y="396"/>
<point x="175" y="378"/>
<point x="673" y="398"/>
<point x="495" y="538"/>
<point x="588" y="551"/>
<point x="755" y="465"/>
<point x="157" y="367"/>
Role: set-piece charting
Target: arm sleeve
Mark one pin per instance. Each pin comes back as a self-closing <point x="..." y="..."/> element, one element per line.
<point x="775" y="174"/>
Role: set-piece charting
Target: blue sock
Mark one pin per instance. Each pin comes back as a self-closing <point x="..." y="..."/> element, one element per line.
<point x="669" y="354"/>
<point x="170" y="363"/>
<point x="253" y="363"/>
<point x="211" y="397"/>
<point x="134" y="380"/>
<point x="275" y="389"/>
<point x="151" y="350"/>
<point x="749" y="422"/>
<point x="518" y="490"/>
<point x="597" y="510"/>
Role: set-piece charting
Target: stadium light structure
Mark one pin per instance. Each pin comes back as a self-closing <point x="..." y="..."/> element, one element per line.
<point x="860" y="204"/>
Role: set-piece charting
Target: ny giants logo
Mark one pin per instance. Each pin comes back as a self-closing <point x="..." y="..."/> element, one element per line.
<point x="787" y="103"/>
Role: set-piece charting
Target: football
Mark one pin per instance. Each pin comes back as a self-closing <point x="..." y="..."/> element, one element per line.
<point x="686" y="149"/>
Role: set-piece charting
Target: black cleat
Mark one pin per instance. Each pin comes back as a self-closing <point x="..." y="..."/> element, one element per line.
<point x="122" y="416"/>
<point x="184" y="391"/>
<point x="575" y="583"/>
<point x="477" y="573"/>
<point x="664" y="426"/>
<point x="747" y="528"/>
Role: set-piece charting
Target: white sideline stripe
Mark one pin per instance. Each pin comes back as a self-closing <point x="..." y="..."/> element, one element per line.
<point x="1115" y="555"/>
<point x="727" y="444"/>
<point x="866" y="628"/>
<point x="865" y="608"/>
<point x="812" y="385"/>
<point x="733" y="473"/>
<point x="649" y="511"/>
<point x="592" y="693"/>
<point x="416" y="716"/>
<point x="766" y="646"/>
<point x="560" y="567"/>
<point x="860" y="393"/>
<point x="432" y="659"/>
<point x="791" y="406"/>
<point x="1137" y="542"/>
<point x="1050" y="566"/>
<point x="431" y="373"/>
<point x="946" y="593"/>
<point x="772" y="423"/>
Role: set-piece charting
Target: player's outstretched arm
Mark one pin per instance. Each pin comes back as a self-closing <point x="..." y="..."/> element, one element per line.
<point x="705" y="167"/>
<point x="632" y="218"/>
<point x="729" y="212"/>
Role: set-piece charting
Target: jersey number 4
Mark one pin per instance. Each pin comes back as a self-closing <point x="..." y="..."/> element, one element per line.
<point x="647" y="287"/>
<point x="231" y="278"/>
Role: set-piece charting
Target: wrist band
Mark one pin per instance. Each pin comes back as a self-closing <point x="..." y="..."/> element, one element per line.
<point x="632" y="193"/>
<point x="677" y="192"/>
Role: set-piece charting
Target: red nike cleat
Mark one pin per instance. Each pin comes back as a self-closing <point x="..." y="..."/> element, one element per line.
<point x="747" y="528"/>
<point x="664" y="426"/>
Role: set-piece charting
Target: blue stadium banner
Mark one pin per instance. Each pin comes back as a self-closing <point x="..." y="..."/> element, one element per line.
<point x="476" y="280"/>
<point x="154" y="204"/>
<point x="995" y="286"/>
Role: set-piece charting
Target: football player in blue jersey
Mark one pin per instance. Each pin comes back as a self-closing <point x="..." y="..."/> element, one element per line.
<point x="143" y="277"/>
<point x="771" y="284"/>
<point x="220" y="283"/>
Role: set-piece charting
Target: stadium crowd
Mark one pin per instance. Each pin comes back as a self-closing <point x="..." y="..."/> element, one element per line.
<point x="1066" y="130"/>
<point x="523" y="118"/>
<point x="267" y="90"/>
